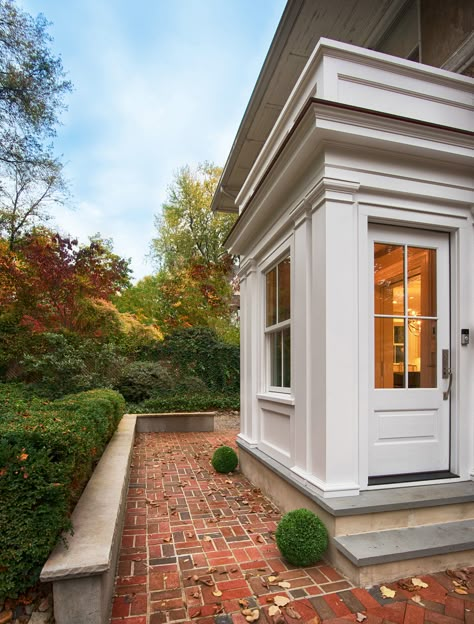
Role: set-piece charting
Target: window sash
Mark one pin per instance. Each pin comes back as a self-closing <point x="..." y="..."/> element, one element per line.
<point x="278" y="294"/>
<point x="278" y="326"/>
<point x="279" y="357"/>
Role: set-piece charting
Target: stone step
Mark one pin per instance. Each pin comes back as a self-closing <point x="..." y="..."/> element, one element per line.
<point x="409" y="497"/>
<point x="364" y="549"/>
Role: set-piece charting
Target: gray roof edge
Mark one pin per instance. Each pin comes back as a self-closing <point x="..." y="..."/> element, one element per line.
<point x="285" y="26"/>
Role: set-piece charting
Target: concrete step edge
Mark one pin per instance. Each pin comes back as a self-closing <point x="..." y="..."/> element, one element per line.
<point x="407" y="543"/>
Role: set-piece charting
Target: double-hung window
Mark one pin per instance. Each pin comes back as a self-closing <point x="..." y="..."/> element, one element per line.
<point x="277" y="325"/>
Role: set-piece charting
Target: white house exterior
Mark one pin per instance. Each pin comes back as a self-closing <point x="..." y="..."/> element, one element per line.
<point x="356" y="241"/>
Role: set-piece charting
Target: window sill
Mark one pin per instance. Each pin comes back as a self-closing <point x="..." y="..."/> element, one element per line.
<point x="276" y="397"/>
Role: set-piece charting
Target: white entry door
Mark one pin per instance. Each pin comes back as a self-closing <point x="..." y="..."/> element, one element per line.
<point x="409" y="407"/>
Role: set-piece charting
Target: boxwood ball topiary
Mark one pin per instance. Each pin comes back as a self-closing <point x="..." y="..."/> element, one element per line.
<point x="301" y="537"/>
<point x="224" y="459"/>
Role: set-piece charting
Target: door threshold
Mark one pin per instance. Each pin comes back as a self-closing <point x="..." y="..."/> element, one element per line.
<point x="408" y="478"/>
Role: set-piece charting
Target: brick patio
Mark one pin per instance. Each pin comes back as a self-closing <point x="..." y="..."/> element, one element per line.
<point x="195" y="543"/>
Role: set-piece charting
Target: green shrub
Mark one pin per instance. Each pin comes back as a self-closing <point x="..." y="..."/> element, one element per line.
<point x="224" y="459"/>
<point x="60" y="363"/>
<point x="192" y="385"/>
<point x="142" y="380"/>
<point x="198" y="352"/>
<point x="301" y="537"/>
<point x="186" y="403"/>
<point x="47" y="452"/>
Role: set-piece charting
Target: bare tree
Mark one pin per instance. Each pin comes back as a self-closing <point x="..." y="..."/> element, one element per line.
<point x="27" y="192"/>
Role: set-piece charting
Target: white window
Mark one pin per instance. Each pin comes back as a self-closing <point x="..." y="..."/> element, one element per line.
<point x="277" y="325"/>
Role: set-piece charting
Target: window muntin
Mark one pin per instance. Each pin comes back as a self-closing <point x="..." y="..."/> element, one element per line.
<point x="277" y="324"/>
<point x="405" y="319"/>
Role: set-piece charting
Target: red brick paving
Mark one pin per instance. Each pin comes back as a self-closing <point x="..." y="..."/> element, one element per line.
<point x="190" y="534"/>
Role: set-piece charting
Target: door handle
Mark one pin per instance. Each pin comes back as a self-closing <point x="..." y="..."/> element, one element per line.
<point x="446" y="372"/>
<point x="447" y="392"/>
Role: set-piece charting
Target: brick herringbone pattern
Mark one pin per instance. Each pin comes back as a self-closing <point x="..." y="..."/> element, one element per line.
<point x="199" y="547"/>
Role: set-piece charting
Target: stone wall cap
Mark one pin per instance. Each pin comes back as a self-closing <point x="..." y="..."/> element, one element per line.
<point x="95" y="519"/>
<point x="164" y="414"/>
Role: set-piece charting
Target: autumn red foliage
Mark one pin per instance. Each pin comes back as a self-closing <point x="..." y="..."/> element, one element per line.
<point x="47" y="278"/>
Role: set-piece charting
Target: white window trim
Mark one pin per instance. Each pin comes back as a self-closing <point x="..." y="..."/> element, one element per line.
<point x="268" y="331"/>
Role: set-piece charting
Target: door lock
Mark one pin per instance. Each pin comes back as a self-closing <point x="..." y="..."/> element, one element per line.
<point x="446" y="372"/>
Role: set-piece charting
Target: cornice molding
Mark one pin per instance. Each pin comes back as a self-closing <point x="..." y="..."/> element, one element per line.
<point x="248" y="267"/>
<point x="332" y="189"/>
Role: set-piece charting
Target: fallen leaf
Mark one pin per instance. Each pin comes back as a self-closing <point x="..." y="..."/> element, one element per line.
<point x="211" y="570"/>
<point x="272" y="579"/>
<point x="417" y="598"/>
<point x="260" y="539"/>
<point x="167" y="539"/>
<point x="264" y="582"/>
<point x="387" y="592"/>
<point x="189" y="534"/>
<point x="461" y="590"/>
<point x="228" y="481"/>
<point x="419" y="583"/>
<point x="206" y="538"/>
<point x="208" y="582"/>
<point x="252" y="616"/>
<point x="217" y="593"/>
<point x="244" y="603"/>
<point x="273" y="610"/>
<point x="458" y="574"/>
<point x="292" y="613"/>
<point x="195" y="578"/>
<point x="360" y="617"/>
<point x="281" y="601"/>
<point x="284" y="584"/>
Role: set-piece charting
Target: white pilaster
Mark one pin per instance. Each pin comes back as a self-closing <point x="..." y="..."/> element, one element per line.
<point x="301" y="337"/>
<point x="334" y="413"/>
<point x="249" y="351"/>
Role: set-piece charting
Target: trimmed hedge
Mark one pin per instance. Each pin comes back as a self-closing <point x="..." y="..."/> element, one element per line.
<point x="187" y="403"/>
<point x="47" y="453"/>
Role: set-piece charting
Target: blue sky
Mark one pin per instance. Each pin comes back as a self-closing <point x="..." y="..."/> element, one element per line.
<point x="157" y="84"/>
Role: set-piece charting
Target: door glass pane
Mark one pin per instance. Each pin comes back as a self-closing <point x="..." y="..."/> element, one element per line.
<point x="389" y="289"/>
<point x="275" y="357"/>
<point x="284" y="290"/>
<point x="389" y="353"/>
<point x="271" y="297"/>
<point x="421" y="281"/>
<point x="286" y="358"/>
<point x="422" y="363"/>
